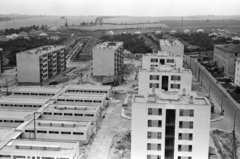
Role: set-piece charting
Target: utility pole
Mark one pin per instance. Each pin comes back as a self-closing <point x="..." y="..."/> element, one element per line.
<point x="34" y="122"/>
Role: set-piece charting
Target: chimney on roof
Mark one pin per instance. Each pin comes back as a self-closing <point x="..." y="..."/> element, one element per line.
<point x="191" y="100"/>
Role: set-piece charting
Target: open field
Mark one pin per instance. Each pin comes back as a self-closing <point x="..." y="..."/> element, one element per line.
<point x="49" y="21"/>
<point x="109" y="27"/>
<point x="120" y="20"/>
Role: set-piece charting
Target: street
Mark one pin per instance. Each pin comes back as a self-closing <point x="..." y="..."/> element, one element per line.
<point x="229" y="107"/>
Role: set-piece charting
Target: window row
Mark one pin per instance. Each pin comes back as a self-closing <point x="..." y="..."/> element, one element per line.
<point x="185" y="136"/>
<point x="151" y="146"/>
<point x="162" y="61"/>
<point x="154" y="123"/>
<point x="157" y="77"/>
<point x="153" y="157"/>
<point x="75" y="100"/>
<point x="68" y="114"/>
<point x="86" y="91"/>
<point x="29" y="157"/>
<point x="184" y="157"/>
<point x="37" y="94"/>
<point x="20" y="105"/>
<point x="186" y="112"/>
<point x="54" y="132"/>
<point x="11" y="121"/>
<point x="156" y="85"/>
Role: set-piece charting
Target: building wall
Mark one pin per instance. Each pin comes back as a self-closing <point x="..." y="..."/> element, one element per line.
<point x="146" y="61"/>
<point x="103" y="62"/>
<point x="28" y="68"/>
<point x="237" y="73"/>
<point x="144" y="82"/>
<point x="201" y="127"/>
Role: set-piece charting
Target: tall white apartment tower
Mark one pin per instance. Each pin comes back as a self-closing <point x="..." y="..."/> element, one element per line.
<point x="170" y="126"/>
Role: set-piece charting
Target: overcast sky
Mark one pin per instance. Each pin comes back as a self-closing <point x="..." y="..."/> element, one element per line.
<point x="121" y="7"/>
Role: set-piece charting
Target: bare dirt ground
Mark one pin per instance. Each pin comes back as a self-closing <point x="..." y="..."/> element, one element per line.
<point x="221" y="145"/>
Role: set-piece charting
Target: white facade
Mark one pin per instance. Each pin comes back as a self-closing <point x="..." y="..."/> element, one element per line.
<point x="237" y="72"/>
<point x="69" y="112"/>
<point x="58" y="130"/>
<point x="39" y="64"/>
<point x="172" y="46"/>
<point x="170" y="126"/>
<point x="39" y="149"/>
<point x="91" y="89"/>
<point x="164" y="78"/>
<point x="157" y="60"/>
<point x="107" y="59"/>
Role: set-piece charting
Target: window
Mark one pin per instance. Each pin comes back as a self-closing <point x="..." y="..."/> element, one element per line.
<point x="175" y="86"/>
<point x="91" y="115"/>
<point x="154" y="77"/>
<point x="170" y="60"/>
<point x="66" y="133"/>
<point x="88" y="101"/>
<point x="78" y="114"/>
<point x="47" y="113"/>
<point x="148" y="146"/>
<point x="184" y="157"/>
<point x="154" y="135"/>
<point x="29" y="131"/>
<point x="68" y="114"/>
<point x="77" y="133"/>
<point x="57" y="113"/>
<point x="154" y="60"/>
<point x="186" y="112"/>
<point x="78" y="100"/>
<point x="154" y="146"/>
<point x="185" y="136"/>
<point x="154" y="123"/>
<point x="19" y="121"/>
<point x="60" y="99"/>
<point x="186" y="124"/>
<point x="53" y="132"/>
<point x="154" y="111"/>
<point x="153" y="85"/>
<point x="176" y="78"/>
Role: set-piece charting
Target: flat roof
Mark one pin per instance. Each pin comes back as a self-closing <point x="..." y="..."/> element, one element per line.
<point x="89" y="87"/>
<point x="173" y="98"/>
<point x="109" y="45"/>
<point x="162" y="54"/>
<point x="170" y="42"/>
<point x="4" y="131"/>
<point x="23" y="100"/>
<point x="43" y="50"/>
<point x="49" y="124"/>
<point x="231" y="48"/>
<point x="51" y="90"/>
<point x="13" y="114"/>
<point x="36" y="147"/>
<point x="167" y="68"/>
<point x="70" y="108"/>
<point x="74" y="95"/>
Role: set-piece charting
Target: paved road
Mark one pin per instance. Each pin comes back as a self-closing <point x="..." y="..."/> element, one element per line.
<point x="216" y="93"/>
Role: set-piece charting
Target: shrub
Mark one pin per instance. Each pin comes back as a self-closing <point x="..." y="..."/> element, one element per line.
<point x="237" y="90"/>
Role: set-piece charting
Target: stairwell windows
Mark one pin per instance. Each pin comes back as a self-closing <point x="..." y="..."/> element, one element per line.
<point x="154" y="77"/>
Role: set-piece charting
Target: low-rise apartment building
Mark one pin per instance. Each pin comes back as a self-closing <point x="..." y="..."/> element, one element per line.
<point x="82" y="99"/>
<point x="13" y="118"/>
<point x="92" y="89"/>
<point x="22" y="103"/>
<point x="225" y="56"/>
<point x="108" y="59"/>
<point x="172" y="46"/>
<point x="170" y="125"/>
<point x="36" y="91"/>
<point x="164" y="78"/>
<point x="37" y="65"/>
<point x="70" y="112"/>
<point x="162" y="58"/>
<point x="79" y="131"/>
<point x="39" y="149"/>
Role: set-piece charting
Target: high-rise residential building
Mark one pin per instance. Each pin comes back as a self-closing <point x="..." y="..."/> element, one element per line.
<point x="225" y="56"/>
<point x="164" y="78"/>
<point x="108" y="59"/>
<point x="237" y="72"/>
<point x="37" y="65"/>
<point x="170" y="125"/>
<point x="162" y="58"/>
<point x="172" y="46"/>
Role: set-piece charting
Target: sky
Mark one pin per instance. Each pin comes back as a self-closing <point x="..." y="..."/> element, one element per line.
<point x="121" y="7"/>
